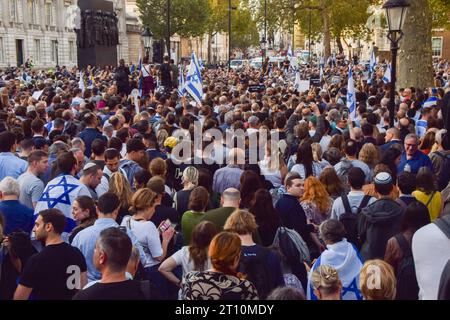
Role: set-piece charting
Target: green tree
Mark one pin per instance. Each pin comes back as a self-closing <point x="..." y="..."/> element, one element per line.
<point x="244" y="30"/>
<point x="188" y="18"/>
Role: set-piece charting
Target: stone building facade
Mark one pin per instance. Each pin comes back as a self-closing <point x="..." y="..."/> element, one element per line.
<point x="39" y="30"/>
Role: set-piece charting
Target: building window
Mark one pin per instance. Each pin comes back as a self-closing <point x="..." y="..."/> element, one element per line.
<point x="33" y="11"/>
<point x="37" y="50"/>
<point x="436" y="46"/>
<point x="2" y="57"/>
<point x="49" y="15"/>
<point x="14" y="10"/>
<point x="71" y="51"/>
<point x="54" y="50"/>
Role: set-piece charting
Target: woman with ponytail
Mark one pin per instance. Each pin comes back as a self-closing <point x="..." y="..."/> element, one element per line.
<point x="221" y="281"/>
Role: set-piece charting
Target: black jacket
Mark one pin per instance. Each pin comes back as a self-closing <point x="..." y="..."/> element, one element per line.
<point x="377" y="224"/>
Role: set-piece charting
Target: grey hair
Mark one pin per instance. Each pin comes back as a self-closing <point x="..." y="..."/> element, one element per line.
<point x="77" y="143"/>
<point x="332" y="230"/>
<point x="9" y="187"/>
<point x="229" y="117"/>
<point x="286" y="293"/>
<point x="58" y="147"/>
<point x="412" y="136"/>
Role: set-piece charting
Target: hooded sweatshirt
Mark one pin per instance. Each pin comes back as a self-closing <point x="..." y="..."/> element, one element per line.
<point x="379" y="222"/>
<point x="344" y="257"/>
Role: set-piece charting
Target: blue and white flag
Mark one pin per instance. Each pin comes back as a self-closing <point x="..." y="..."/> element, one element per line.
<point x="194" y="79"/>
<point x="344" y="257"/>
<point x="387" y="74"/>
<point x="181" y="83"/>
<point x="373" y="62"/>
<point x="141" y="78"/>
<point x="201" y="64"/>
<point x="351" y="96"/>
<point x="430" y="102"/>
<point x="60" y="193"/>
<point x="289" y="52"/>
<point x="81" y="82"/>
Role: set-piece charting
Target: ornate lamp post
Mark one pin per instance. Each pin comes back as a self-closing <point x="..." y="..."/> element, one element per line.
<point x="396" y="13"/>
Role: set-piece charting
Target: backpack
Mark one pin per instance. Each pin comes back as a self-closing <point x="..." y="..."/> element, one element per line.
<point x="346" y="165"/>
<point x="351" y="220"/>
<point x="257" y="272"/>
<point x="444" y="177"/>
<point x="291" y="245"/>
<point x="407" y="287"/>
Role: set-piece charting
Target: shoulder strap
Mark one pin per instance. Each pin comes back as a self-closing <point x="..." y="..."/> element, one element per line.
<point x="365" y="200"/>
<point x="129" y="223"/>
<point x="440" y="154"/>
<point x="106" y="176"/>
<point x="346" y="203"/>
<point x="444" y="224"/>
<point x="431" y="198"/>
<point x="403" y="244"/>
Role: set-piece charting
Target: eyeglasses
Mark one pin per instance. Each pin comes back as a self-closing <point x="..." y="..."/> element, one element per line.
<point x="408" y="145"/>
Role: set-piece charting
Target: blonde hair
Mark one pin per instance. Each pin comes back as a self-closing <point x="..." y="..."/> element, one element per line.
<point x="142" y="199"/>
<point x="190" y="174"/>
<point x="161" y="136"/>
<point x="241" y="222"/>
<point x="317" y="151"/>
<point x="369" y="154"/>
<point x="377" y="280"/>
<point x="326" y="279"/>
<point x="119" y="185"/>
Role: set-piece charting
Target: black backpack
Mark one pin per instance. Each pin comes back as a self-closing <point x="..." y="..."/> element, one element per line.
<point x="257" y="272"/>
<point x="444" y="177"/>
<point x="407" y="287"/>
<point x="351" y="220"/>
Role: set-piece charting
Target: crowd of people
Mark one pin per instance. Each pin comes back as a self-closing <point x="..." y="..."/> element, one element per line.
<point x="95" y="204"/>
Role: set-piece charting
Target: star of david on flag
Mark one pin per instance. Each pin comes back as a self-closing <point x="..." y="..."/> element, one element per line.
<point x="194" y="79"/>
<point x="60" y="193"/>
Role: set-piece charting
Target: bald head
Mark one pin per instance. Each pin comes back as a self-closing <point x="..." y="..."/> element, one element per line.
<point x="392" y="133"/>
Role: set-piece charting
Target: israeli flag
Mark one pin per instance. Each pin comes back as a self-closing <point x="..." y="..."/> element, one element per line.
<point x="141" y="78"/>
<point x="181" y="83"/>
<point x="81" y="82"/>
<point x="344" y="257"/>
<point x="351" y="97"/>
<point x="387" y="74"/>
<point x="60" y="193"/>
<point x="194" y="79"/>
<point x="373" y="62"/>
<point x="430" y="102"/>
<point x="289" y="52"/>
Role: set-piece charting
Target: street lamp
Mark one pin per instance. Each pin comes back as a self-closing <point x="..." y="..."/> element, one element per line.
<point x="147" y="37"/>
<point x="396" y="13"/>
<point x="230" y="7"/>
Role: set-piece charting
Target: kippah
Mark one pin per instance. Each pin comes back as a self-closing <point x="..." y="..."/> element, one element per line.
<point x="383" y="178"/>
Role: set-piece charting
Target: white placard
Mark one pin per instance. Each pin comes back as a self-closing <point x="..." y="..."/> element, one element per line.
<point x="135" y="95"/>
<point x="36" y="95"/>
<point x="303" y="86"/>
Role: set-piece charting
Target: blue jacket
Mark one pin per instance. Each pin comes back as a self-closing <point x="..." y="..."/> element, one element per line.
<point x="17" y="216"/>
<point x="89" y="135"/>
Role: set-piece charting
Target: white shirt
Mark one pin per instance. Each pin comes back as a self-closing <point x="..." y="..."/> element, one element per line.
<point x="431" y="251"/>
<point x="325" y="142"/>
<point x="300" y="169"/>
<point x="272" y="175"/>
<point x="148" y="237"/>
<point x="182" y="257"/>
<point x="354" y="199"/>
